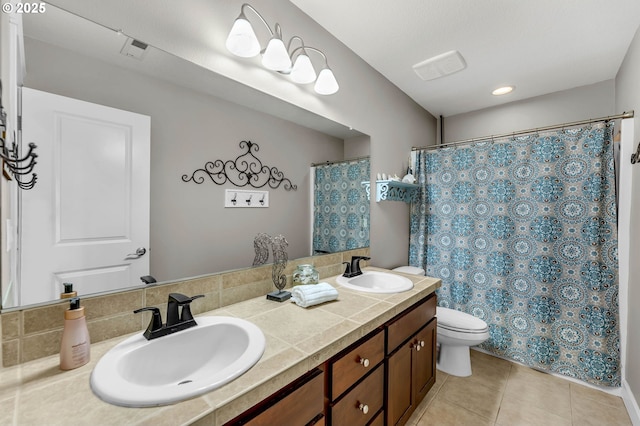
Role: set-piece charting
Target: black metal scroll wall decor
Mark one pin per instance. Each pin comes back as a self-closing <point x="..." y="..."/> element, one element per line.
<point x="245" y="170"/>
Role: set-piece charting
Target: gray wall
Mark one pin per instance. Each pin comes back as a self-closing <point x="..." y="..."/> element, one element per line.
<point x="191" y="232"/>
<point x="580" y="103"/>
<point x="628" y="98"/>
<point x="366" y="100"/>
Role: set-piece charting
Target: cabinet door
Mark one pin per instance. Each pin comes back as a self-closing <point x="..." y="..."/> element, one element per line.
<point x="399" y="385"/>
<point x="424" y="362"/>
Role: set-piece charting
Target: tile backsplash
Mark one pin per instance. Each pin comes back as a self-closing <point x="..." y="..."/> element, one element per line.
<point x="33" y="333"/>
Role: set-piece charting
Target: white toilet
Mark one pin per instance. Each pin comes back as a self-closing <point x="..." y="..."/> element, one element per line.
<point x="457" y="332"/>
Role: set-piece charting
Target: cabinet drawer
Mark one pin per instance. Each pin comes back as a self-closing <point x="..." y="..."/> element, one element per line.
<point x="359" y="405"/>
<point x="404" y="327"/>
<point x="299" y="407"/>
<point x="379" y="420"/>
<point x="359" y="361"/>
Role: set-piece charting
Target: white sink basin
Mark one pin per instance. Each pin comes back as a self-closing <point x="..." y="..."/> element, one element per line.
<point x="143" y="373"/>
<point x="376" y="282"/>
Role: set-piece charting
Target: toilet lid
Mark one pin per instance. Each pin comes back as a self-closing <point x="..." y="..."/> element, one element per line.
<point x="459" y="321"/>
<point x="409" y="270"/>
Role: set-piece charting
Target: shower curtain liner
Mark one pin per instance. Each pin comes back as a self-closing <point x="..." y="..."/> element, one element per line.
<point x="522" y="231"/>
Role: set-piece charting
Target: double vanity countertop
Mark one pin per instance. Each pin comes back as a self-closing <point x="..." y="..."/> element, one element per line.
<point x="297" y="340"/>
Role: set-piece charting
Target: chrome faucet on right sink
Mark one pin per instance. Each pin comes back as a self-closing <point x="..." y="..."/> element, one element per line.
<point x="353" y="268"/>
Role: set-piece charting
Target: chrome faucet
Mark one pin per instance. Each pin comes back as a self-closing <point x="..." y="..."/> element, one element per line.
<point x="353" y="268"/>
<point x="177" y="320"/>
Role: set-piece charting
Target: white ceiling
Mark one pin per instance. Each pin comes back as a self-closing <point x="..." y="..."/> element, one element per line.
<point x="540" y="46"/>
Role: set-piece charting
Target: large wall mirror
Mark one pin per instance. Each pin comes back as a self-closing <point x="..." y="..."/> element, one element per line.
<point x="193" y="116"/>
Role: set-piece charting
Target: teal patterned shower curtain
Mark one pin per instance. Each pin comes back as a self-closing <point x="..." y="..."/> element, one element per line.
<point x="523" y="233"/>
<point x="341" y="206"/>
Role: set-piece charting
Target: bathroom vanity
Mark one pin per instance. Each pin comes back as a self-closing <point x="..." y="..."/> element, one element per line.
<point x="378" y="380"/>
<point x="363" y="359"/>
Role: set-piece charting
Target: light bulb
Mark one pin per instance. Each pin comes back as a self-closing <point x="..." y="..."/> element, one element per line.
<point x="242" y="40"/>
<point x="326" y="83"/>
<point x="303" y="72"/>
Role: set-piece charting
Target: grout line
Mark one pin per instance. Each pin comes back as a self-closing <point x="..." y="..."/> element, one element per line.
<point x="504" y="392"/>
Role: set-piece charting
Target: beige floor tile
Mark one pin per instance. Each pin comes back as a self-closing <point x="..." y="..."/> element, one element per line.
<point x="539" y="395"/>
<point x="589" y="412"/>
<point x="515" y="413"/>
<point x="473" y="396"/>
<point x="584" y="392"/>
<point x="514" y="395"/>
<point x="478" y="357"/>
<point x="444" y="413"/>
<point x="539" y="377"/>
<point x="491" y="374"/>
<point x="536" y="389"/>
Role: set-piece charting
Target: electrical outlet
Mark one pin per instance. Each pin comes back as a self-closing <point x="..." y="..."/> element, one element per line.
<point x="238" y="198"/>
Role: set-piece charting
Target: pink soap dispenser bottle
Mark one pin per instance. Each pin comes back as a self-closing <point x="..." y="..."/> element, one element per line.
<point x="75" y="347"/>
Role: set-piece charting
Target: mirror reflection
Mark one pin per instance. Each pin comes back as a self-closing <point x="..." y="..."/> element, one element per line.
<point x="341" y="206"/>
<point x="117" y="128"/>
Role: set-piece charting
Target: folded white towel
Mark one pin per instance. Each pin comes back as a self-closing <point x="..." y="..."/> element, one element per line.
<point x="313" y="294"/>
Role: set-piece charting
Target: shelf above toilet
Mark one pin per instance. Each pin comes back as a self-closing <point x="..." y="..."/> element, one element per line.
<point x="393" y="190"/>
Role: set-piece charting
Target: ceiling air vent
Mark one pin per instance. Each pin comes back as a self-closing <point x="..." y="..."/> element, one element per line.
<point x="134" y="48"/>
<point x="440" y="65"/>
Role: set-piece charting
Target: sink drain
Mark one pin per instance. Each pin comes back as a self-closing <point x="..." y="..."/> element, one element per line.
<point x="185" y="382"/>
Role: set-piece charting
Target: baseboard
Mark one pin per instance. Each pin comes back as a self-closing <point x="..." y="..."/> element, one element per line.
<point x="630" y="403"/>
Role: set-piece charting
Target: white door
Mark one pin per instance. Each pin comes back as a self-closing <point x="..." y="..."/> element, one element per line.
<point x="88" y="213"/>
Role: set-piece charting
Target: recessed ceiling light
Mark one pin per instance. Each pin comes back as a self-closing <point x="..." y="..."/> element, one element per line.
<point x="503" y="90"/>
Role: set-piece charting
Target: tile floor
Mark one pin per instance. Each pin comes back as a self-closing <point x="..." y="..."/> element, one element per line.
<point x="503" y="393"/>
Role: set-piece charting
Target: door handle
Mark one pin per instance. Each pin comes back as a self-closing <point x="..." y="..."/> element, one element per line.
<point x="139" y="253"/>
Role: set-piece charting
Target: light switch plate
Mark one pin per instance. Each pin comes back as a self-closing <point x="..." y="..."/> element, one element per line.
<point x="242" y="198"/>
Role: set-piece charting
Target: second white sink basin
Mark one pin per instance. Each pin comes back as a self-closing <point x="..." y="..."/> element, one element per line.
<point x="143" y="373"/>
<point x="376" y="282"/>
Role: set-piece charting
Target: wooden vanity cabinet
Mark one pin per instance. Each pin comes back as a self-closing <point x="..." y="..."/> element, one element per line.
<point x="297" y="404"/>
<point x="378" y="380"/>
<point x="411" y="364"/>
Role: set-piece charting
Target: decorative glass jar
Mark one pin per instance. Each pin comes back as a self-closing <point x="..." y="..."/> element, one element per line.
<point x="305" y="274"/>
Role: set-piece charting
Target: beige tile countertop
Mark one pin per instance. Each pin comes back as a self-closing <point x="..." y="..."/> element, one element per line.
<point x="297" y="340"/>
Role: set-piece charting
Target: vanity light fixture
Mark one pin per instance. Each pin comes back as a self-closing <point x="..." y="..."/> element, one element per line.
<point x="242" y="42"/>
<point x="503" y="90"/>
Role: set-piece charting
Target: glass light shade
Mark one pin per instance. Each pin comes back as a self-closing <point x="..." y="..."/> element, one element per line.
<point x="275" y="56"/>
<point x="303" y="72"/>
<point x="242" y="41"/>
<point x="326" y="83"/>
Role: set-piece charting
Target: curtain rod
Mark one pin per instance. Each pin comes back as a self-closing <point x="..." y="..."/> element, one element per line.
<point x="328" y="163"/>
<point x="628" y="114"/>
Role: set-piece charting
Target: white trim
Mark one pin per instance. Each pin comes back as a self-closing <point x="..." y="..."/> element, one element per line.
<point x="312" y="198"/>
<point x="630" y="403"/>
<point x="625" y="207"/>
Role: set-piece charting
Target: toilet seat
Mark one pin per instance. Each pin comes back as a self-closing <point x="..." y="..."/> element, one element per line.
<point x="451" y="321"/>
